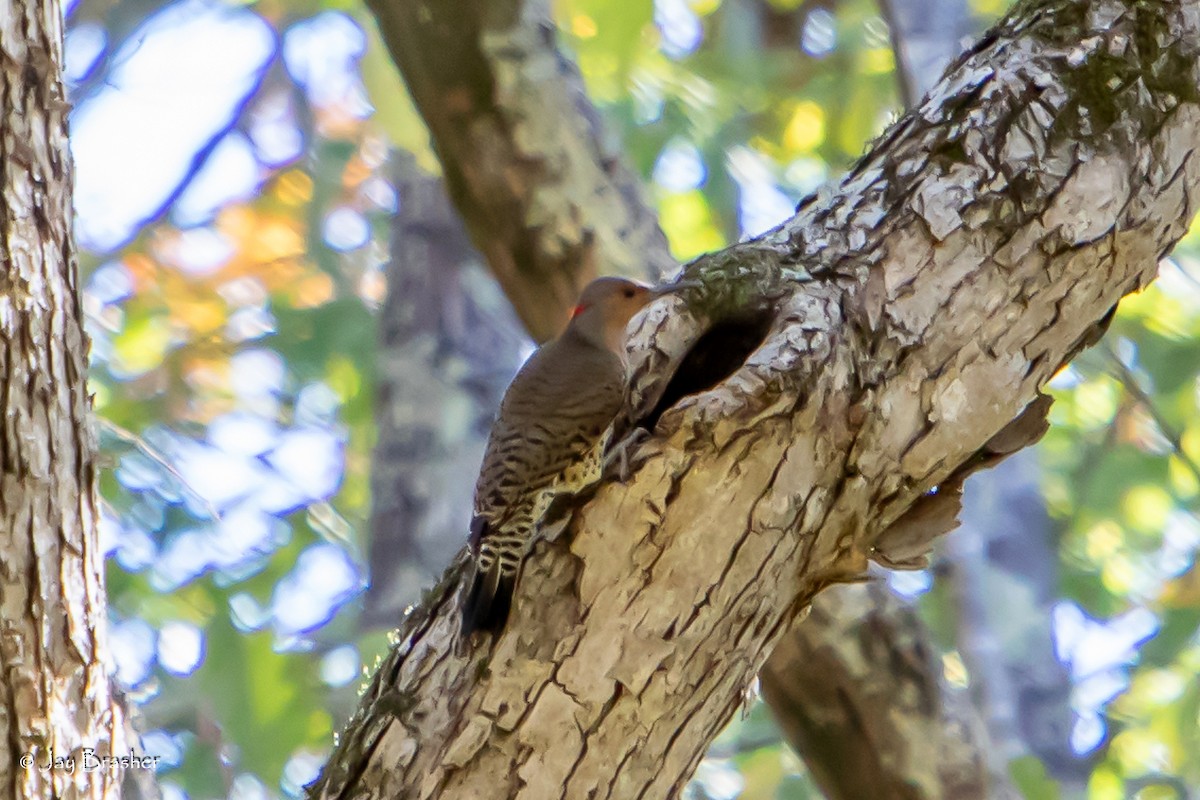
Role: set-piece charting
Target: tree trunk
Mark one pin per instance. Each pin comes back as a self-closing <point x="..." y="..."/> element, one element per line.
<point x="1001" y="604"/>
<point x="55" y="698"/>
<point x="917" y="310"/>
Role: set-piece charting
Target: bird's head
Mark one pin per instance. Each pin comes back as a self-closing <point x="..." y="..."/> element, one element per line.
<point x="605" y="309"/>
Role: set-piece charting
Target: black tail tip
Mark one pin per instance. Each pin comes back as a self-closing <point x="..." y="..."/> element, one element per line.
<point x="488" y="602"/>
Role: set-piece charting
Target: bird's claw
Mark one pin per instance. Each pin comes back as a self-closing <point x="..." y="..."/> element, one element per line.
<point x="619" y="461"/>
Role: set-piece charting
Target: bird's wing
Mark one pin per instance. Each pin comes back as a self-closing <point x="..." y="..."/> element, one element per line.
<point x="551" y="416"/>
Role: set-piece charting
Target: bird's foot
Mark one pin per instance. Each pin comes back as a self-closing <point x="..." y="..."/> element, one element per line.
<point x="619" y="461"/>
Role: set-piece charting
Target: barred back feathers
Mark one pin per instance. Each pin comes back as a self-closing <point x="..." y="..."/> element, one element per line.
<point x="548" y="439"/>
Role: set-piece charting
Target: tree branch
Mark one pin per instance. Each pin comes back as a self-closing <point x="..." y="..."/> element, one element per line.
<point x="857" y="689"/>
<point x="918" y="310"/>
<point x="542" y="188"/>
<point x="861" y="695"/>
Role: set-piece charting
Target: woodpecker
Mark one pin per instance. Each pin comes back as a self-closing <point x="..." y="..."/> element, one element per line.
<point x="548" y="440"/>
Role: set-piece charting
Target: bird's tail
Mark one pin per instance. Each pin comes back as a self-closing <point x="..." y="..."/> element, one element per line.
<point x="489" y="600"/>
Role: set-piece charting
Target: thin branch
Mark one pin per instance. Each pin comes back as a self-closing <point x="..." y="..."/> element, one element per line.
<point x="1132" y="385"/>
<point x="159" y="458"/>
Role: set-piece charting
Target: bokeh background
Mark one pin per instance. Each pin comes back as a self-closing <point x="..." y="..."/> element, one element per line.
<point x="270" y="350"/>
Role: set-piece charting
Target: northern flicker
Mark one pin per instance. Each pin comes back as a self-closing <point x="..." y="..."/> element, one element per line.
<point x="548" y="440"/>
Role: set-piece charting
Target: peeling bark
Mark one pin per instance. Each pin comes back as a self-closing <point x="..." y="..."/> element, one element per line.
<point x="55" y="698"/>
<point x="919" y="309"/>
<point x="541" y="187"/>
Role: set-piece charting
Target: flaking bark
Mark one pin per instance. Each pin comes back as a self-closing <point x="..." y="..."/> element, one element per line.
<point x="919" y="309"/>
<point x="55" y="697"/>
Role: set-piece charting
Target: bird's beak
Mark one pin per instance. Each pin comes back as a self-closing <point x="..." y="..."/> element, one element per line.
<point x="665" y="289"/>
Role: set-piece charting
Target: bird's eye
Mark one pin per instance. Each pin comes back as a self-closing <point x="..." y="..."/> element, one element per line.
<point x="628" y="292"/>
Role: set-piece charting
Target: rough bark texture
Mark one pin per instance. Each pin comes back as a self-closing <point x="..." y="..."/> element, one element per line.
<point x="55" y="697"/>
<point x="438" y="325"/>
<point x="857" y="688"/>
<point x="917" y="311"/>
<point x="544" y="193"/>
<point x="433" y="326"/>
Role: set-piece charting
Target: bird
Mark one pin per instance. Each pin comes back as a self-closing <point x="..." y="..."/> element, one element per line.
<point x="548" y="441"/>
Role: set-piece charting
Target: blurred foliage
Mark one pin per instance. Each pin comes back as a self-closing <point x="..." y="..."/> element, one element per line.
<point x="233" y="374"/>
